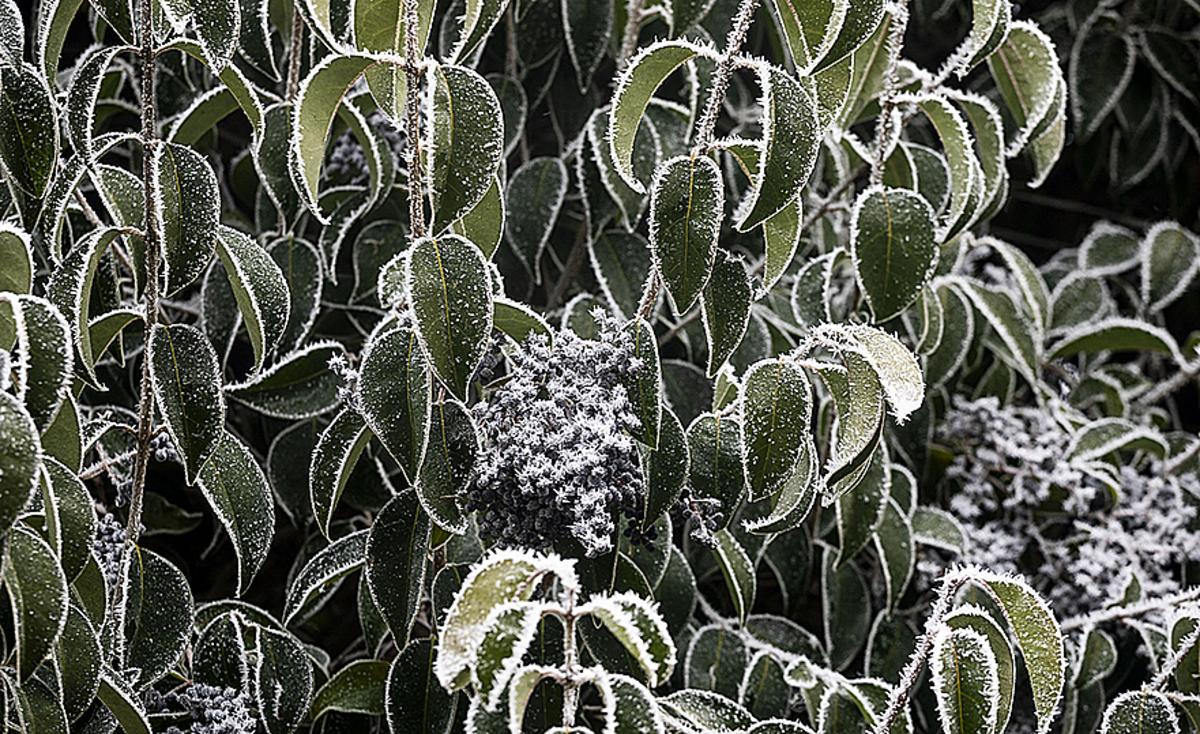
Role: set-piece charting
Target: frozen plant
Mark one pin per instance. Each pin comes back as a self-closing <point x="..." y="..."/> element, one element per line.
<point x="212" y="709"/>
<point x="558" y="460"/>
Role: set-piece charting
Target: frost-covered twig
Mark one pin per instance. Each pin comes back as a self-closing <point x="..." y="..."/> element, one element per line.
<point x="1185" y="646"/>
<point x="633" y="23"/>
<point x="294" y="53"/>
<point x="1130" y="610"/>
<point x="574" y="264"/>
<point x="412" y="117"/>
<point x="1162" y="390"/>
<point x="720" y="80"/>
<point x="887" y="97"/>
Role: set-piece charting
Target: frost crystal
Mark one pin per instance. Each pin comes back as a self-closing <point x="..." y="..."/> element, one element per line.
<point x="1028" y="511"/>
<point x="558" y="461"/>
<point x="213" y="710"/>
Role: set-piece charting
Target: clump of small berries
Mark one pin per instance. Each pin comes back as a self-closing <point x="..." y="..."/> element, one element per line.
<point x="705" y="514"/>
<point x="347" y="161"/>
<point x="164" y="449"/>
<point x="109" y="547"/>
<point x="214" y="710"/>
<point x="558" y="460"/>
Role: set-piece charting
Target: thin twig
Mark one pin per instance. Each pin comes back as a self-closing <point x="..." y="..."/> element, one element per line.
<point x="720" y="80"/>
<point x="294" y="54"/>
<point x="887" y="97"/>
<point x="1185" y="647"/>
<point x="670" y="333"/>
<point x="571" y="270"/>
<point x="633" y="23"/>
<point x="1129" y="610"/>
<point x="412" y="74"/>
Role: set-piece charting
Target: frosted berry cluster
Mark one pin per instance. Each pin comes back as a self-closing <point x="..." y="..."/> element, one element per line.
<point x="558" y="461"/>
<point x="109" y="547"/>
<point x="347" y="162"/>
<point x="1026" y="510"/>
<point x="213" y="709"/>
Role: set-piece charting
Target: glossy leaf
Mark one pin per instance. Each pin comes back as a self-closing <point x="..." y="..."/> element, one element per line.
<point x="237" y="490"/>
<point x="687" y="202"/>
<point x="395" y="570"/>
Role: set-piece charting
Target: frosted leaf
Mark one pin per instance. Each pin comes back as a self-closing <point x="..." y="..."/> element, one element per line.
<point x="1078" y="299"/>
<point x="966" y="173"/>
<point x="975" y="619"/>
<point x="965" y="681"/>
<point x="738" y="571"/>
<point x="29" y="144"/>
<point x="70" y="289"/>
<point x="1102" y="61"/>
<point x="506" y="636"/>
<point x="237" y="490"/>
<point x="37" y="590"/>
<point x="622" y="262"/>
<point x="477" y="23"/>
<point x="1108" y="249"/>
<point x="707" y="711"/>
<point x="449" y="462"/>
<point x="1106" y="435"/>
<point x="412" y="698"/>
<point x="533" y="198"/>
<point x="158" y="616"/>
<point x="187" y="390"/>
<point x="1117" y="334"/>
<point x="640" y="628"/>
<point x="715" y="461"/>
<point x="810" y="30"/>
<point x="41" y="359"/>
<point x="260" y="288"/>
<point x="776" y="401"/>
<point x="1170" y="258"/>
<point x="588" y="27"/>
<point x="1010" y="324"/>
<point x="336" y="561"/>
<point x="82" y="97"/>
<point x="1026" y="70"/>
<point x="687" y="203"/>
<point x="333" y="459"/>
<point x="298" y="386"/>
<point x="893" y="247"/>
<point x="1097" y="660"/>
<point x="393" y="392"/>
<point x="1140" y="711"/>
<point x="809" y="296"/>
<point x="634" y="708"/>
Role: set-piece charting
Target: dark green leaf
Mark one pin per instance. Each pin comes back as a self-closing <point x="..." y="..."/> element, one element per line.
<point x="187" y="389"/>
<point x="725" y="308"/>
<point x="260" y="288"/>
<point x="466" y="142"/>
<point x="776" y="403"/>
<point x="893" y="248"/>
<point x="158" y="615"/>
<point x="687" y="202"/>
<point x="715" y="462"/>
<point x="236" y="488"/>
<point x="394" y="393"/>
<point x="395" y="570"/>
<point x="188" y="221"/>
<point x="332" y="461"/>
<point x="37" y="592"/>
<point x="415" y="702"/>
<point x="447" y="465"/>
<point x="357" y="688"/>
<point x="299" y="386"/>
<point x="28" y="129"/>
<point x="342" y="557"/>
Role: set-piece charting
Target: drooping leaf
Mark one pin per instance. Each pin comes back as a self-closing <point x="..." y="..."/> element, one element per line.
<point x="738" y="571"/>
<point x="666" y="468"/>
<point x="236" y="488"/>
<point x="395" y="570"/>
<point x="1119" y="335"/>
<point x="480" y="18"/>
<point x="687" y="201"/>
<point x="518" y="321"/>
<point x="28" y="129"/>
<point x="41" y="357"/>
<point x="394" y="394"/>
<point x="37" y="594"/>
<point x="776" y="402"/>
<point x="283" y="680"/>
<point x="301" y="385"/>
<point x="333" y="460"/>
<point x="587" y="27"/>
<point x="448" y="282"/>
<point x="70" y="289"/>
<point x="781" y="233"/>
<point x="725" y="309"/>
<point x="485" y="223"/>
<point x="533" y="198"/>
<point x="1101" y="67"/>
<point x="414" y="701"/>
<point x="644" y="385"/>
<point x="188" y="203"/>
<point x="1026" y="70"/>
<point x="447" y="465"/>
<point x="260" y="288"/>
<point x="123" y="702"/>
<point x="158" y="615"/>
<point x="965" y="681"/>
<point x="187" y="389"/>
<point x="340" y="558"/>
<point x="465" y="143"/>
<point x="381" y="26"/>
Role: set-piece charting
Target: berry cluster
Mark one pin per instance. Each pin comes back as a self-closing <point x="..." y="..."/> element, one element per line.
<point x="1026" y="510"/>
<point x="164" y="449"/>
<point x="109" y="547"/>
<point x="557" y="460"/>
<point x="348" y="163"/>
<point x="213" y="710"/>
<point x="705" y="512"/>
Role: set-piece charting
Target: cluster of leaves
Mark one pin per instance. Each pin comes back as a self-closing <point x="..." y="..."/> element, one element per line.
<point x="287" y="290"/>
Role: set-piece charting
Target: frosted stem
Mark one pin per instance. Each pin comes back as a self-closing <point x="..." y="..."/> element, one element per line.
<point x="294" y="53"/>
<point x="720" y="82"/>
<point x="633" y="23"/>
<point x="1130" y="610"/>
<point x="887" y="97"/>
<point x="570" y="662"/>
<point x="412" y="90"/>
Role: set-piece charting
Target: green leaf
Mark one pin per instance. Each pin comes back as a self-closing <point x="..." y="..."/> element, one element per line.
<point x="791" y="139"/>
<point x="1102" y="61"/>
<point x="187" y="389"/>
<point x="765" y="691"/>
<point x="644" y="384"/>
<point x="640" y="628"/>
<point x="480" y="17"/>
<point x="725" y="309"/>
<point x="611" y="187"/>
<point x="966" y="172"/>
<point x="1109" y="249"/>
<point x="894" y="248"/>
<point x="501" y="577"/>
<point x="158" y="615"/>
<point x="895" y="366"/>
<point x="465" y="143"/>
<point x="635" y="86"/>
<point x="863" y="17"/>
<point x="738" y="571"/>
<point x="715" y="463"/>
<point x="707" y="710"/>
<point x="236" y="488"/>
<point x="485" y="223"/>
<point x="716" y="661"/>
<point x="37" y="593"/>
<point x="587" y="27"/>
<point x="861" y="509"/>
<point x="448" y="282"/>
<point x="1026" y="70"/>
<point x="299" y="386"/>
<point x="82" y="95"/>
<point x="1098" y="660"/>
<point x="28" y="129"/>
<point x="518" y="321"/>
<point x="665" y="468"/>
<point x="1117" y="335"/>
<point x="969" y="616"/>
<point x="845" y="611"/>
<point x="70" y="289"/>
<point x="395" y="570"/>
<point x="1170" y="259"/>
<point x="380" y="26"/>
<point x="938" y="528"/>
<point x="894" y="543"/>
<point x="236" y="83"/>
<point x="810" y="28"/>
<point x="74" y="516"/>
<point x="77" y="657"/>
<point x="1032" y="286"/>
<point x="316" y="104"/>
<point x="17" y="256"/>
<point x="687" y="202"/>
<point x="781" y="234"/>
<point x="503" y="641"/>
<point x="41" y="358"/>
<point x="336" y="561"/>
<point x="1014" y="330"/>
<point x="260" y="288"/>
<point x="1102" y="437"/>
<point x="394" y="394"/>
<point x="1038" y="637"/>
<point x="634" y="708"/>
<point x="776" y="402"/>
<point x="187" y="223"/>
<point x="123" y="702"/>
<point x="792" y="503"/>
<point x="1140" y="712"/>
<point x="965" y="681"/>
<point x="357" y="688"/>
<point x="333" y="460"/>
<point x="415" y="702"/>
<point x="447" y="465"/>
<point x="533" y="199"/>
<point x="283" y="680"/>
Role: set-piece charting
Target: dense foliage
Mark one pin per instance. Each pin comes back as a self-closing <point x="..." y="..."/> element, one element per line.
<point x="599" y="366"/>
